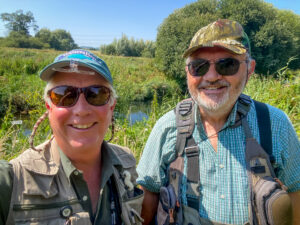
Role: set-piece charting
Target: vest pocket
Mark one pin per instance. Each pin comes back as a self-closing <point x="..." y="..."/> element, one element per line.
<point x="76" y="219"/>
<point x="272" y="202"/>
<point x="190" y="216"/>
<point x="40" y="214"/>
<point x="131" y="208"/>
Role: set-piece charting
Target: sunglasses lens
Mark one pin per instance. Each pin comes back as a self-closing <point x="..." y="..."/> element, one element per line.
<point x="198" y="67"/>
<point x="63" y="96"/>
<point x="97" y="95"/>
<point x="227" y="66"/>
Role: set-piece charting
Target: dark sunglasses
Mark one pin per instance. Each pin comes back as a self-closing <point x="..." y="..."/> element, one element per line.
<point x="225" y="67"/>
<point x="67" y="96"/>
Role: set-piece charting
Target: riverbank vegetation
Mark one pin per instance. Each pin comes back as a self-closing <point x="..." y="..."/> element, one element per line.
<point x="136" y="80"/>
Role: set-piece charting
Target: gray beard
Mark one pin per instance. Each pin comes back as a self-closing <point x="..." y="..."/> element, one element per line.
<point x="217" y="104"/>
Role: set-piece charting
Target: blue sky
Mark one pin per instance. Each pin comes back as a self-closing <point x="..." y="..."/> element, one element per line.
<point x="96" y="22"/>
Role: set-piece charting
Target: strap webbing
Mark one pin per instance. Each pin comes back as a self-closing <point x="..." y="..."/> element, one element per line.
<point x="185" y="123"/>
<point x="185" y="143"/>
<point x="192" y="154"/>
<point x="264" y="126"/>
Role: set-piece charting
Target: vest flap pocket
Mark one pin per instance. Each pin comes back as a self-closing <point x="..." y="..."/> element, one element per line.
<point x="40" y="166"/>
<point x="127" y="160"/>
<point x="40" y="185"/>
<point x="123" y="155"/>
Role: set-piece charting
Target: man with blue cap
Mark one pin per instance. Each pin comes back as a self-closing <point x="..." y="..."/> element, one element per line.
<point x="76" y="177"/>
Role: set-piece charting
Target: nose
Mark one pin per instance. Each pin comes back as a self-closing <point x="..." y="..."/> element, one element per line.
<point x="212" y="75"/>
<point x="82" y="107"/>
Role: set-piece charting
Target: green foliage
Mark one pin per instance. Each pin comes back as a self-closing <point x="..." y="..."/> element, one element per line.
<point x="19" y="69"/>
<point x="18" y="75"/>
<point x="19" y="40"/>
<point x="19" y="22"/>
<point x="274" y="34"/>
<point x="283" y="94"/>
<point x="62" y="40"/>
<point x="58" y="39"/>
<point x="132" y="47"/>
<point x="134" y="79"/>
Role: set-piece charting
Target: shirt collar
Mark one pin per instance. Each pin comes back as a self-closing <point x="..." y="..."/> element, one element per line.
<point x="108" y="160"/>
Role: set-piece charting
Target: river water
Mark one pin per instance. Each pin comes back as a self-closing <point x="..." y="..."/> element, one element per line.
<point x="135" y="112"/>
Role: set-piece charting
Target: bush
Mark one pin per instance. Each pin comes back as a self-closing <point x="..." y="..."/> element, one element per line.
<point x="132" y="47"/>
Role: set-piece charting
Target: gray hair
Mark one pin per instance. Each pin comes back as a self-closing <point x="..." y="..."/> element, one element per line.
<point x="50" y="84"/>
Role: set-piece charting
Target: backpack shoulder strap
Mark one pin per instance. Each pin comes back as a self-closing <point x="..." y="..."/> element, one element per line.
<point x="185" y="143"/>
<point x="185" y="123"/>
<point x="264" y="126"/>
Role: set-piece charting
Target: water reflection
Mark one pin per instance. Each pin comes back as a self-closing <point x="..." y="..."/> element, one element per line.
<point x="136" y="112"/>
<point x="137" y="116"/>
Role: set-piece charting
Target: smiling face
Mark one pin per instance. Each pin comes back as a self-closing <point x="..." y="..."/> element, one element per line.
<point x="82" y="126"/>
<point x="213" y="92"/>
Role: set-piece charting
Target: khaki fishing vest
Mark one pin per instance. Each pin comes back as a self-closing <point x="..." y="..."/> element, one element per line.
<point x="42" y="194"/>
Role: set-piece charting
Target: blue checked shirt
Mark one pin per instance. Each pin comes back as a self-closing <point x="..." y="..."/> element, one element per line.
<point x="223" y="177"/>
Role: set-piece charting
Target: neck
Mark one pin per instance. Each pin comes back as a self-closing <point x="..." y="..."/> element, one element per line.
<point x="83" y="159"/>
<point x="89" y="165"/>
<point x="213" y="121"/>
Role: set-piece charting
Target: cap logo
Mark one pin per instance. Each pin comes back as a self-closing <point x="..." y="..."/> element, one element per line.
<point x="73" y="65"/>
<point x="78" y="54"/>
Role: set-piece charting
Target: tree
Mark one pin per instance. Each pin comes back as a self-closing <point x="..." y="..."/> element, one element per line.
<point x="62" y="40"/>
<point x="19" y="22"/>
<point x="45" y="36"/>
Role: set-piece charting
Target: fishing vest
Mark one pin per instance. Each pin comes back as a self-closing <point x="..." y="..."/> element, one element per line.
<point x="269" y="203"/>
<point x="42" y="194"/>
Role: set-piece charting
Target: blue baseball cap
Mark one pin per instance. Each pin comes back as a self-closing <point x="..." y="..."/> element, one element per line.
<point x="77" y="57"/>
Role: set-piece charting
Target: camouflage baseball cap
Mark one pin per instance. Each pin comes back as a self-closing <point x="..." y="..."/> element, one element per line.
<point x="224" y="33"/>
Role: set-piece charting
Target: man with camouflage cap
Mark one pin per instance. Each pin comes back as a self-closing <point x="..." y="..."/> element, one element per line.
<point x="206" y="164"/>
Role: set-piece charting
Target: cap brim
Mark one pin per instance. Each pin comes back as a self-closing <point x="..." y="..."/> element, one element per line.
<point x="49" y="70"/>
<point x="232" y="48"/>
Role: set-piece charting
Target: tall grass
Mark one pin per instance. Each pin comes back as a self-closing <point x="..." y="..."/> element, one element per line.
<point x="283" y="93"/>
<point x="135" y="79"/>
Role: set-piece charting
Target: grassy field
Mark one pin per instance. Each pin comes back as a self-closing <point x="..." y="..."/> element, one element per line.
<point x="135" y="79"/>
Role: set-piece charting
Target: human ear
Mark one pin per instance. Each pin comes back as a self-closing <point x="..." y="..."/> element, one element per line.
<point x="186" y="69"/>
<point x="47" y="105"/>
<point x="112" y="107"/>
<point x="251" y="67"/>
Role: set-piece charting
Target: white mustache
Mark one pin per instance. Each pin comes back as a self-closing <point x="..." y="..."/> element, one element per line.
<point x="219" y="83"/>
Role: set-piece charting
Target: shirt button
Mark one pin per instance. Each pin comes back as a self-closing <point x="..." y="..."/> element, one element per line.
<point x="222" y="196"/>
<point x="221" y="166"/>
<point x="84" y="198"/>
<point x="76" y="172"/>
